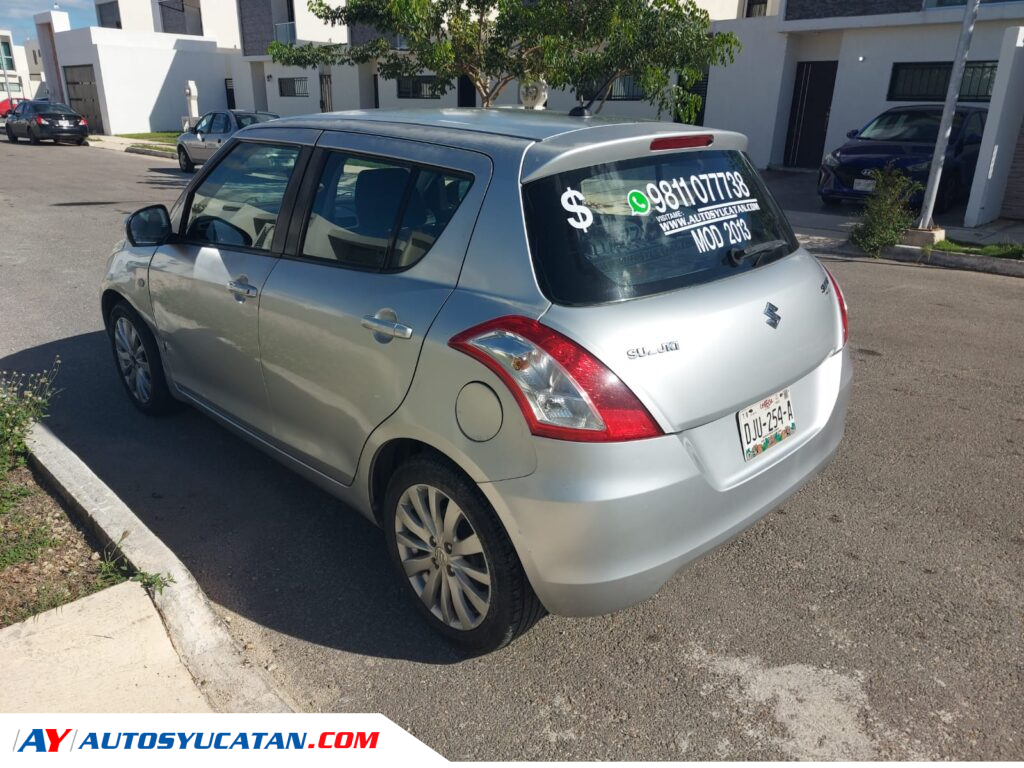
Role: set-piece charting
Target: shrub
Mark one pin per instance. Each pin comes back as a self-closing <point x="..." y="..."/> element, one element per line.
<point x="24" y="399"/>
<point x="887" y="214"/>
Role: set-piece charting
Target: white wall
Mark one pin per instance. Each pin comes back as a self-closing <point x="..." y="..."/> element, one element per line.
<point x="308" y="28"/>
<point x="1006" y="113"/>
<point x="136" y="15"/>
<point x="48" y="24"/>
<point x="220" y="21"/>
<point x="142" y="76"/>
<point x="291" y="105"/>
<point x="752" y="94"/>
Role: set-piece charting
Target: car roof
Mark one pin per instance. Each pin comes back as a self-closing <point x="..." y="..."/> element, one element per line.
<point x="533" y="125"/>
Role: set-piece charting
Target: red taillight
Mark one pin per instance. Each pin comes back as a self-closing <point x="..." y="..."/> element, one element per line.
<point x="842" y="306"/>
<point x="564" y="392"/>
<point x="40" y="121"/>
<point x="82" y="121"/>
<point x="682" y="142"/>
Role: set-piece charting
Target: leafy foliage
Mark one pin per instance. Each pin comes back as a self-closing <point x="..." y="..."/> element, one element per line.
<point x="579" y="44"/>
<point x="887" y="214"/>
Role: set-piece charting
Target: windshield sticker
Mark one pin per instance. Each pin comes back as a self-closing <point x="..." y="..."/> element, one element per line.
<point x="573" y="202"/>
<point x="638" y="202"/>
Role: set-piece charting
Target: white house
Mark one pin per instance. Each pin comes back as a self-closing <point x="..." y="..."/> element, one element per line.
<point x="812" y="70"/>
<point x="16" y="80"/>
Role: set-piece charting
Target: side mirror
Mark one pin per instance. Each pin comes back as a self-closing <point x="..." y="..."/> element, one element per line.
<point x="199" y="135"/>
<point x="853" y="134"/>
<point x="148" y="226"/>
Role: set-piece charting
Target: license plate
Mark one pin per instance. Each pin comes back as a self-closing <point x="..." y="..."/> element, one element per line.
<point x="63" y="123"/>
<point x="864" y="185"/>
<point x="765" y="424"/>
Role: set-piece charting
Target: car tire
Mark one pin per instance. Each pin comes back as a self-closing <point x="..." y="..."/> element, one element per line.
<point x="10" y="135"/>
<point x="184" y="161"/>
<point x="830" y="202"/>
<point x="480" y="600"/>
<point x="79" y="142"/>
<point x="137" y="359"/>
<point x="32" y="138"/>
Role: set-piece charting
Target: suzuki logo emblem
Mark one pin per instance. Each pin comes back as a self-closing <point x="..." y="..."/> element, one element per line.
<point x="772" y="313"/>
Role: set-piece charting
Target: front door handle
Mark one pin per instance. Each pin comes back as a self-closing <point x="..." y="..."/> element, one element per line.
<point x="242" y="290"/>
<point x="387" y="327"/>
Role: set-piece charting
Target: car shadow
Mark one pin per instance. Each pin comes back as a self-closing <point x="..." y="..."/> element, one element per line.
<point x="261" y="541"/>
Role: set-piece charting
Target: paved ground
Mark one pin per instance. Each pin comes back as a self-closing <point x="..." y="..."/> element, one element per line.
<point x="880" y="613"/>
<point x="50" y="661"/>
<point x="798" y="191"/>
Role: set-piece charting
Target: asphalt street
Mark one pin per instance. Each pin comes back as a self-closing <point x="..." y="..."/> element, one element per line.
<point x="878" y="614"/>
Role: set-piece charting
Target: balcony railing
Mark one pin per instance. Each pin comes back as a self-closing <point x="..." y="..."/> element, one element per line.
<point x="285" y="32"/>
<point x="928" y="4"/>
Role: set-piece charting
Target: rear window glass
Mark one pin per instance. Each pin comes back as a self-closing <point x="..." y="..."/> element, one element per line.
<point x="55" y="109"/>
<point x="638" y="227"/>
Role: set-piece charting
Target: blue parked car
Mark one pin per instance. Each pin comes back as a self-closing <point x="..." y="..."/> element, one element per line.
<point x="905" y="138"/>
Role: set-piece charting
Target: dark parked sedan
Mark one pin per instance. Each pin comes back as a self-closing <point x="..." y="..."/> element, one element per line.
<point x="38" y="120"/>
<point x="905" y="138"/>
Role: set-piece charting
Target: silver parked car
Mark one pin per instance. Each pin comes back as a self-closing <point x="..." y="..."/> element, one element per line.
<point x="555" y="358"/>
<point x="197" y="145"/>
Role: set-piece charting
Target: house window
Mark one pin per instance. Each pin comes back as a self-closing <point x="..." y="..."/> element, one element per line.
<point x="109" y="15"/>
<point x="5" y="53"/>
<point x="625" y="88"/>
<point x="35" y="58"/>
<point x="928" y="81"/>
<point x="757" y="8"/>
<point x="418" y="87"/>
<point x="293" y="86"/>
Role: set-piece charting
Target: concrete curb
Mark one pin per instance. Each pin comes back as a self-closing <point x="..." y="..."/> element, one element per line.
<point x="150" y="152"/>
<point x="910" y="255"/>
<point x="198" y="635"/>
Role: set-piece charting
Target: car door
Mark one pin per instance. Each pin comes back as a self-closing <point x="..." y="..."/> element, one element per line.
<point x="17" y="119"/>
<point x="373" y="256"/>
<point x="220" y="131"/>
<point x="195" y="142"/>
<point x="205" y="284"/>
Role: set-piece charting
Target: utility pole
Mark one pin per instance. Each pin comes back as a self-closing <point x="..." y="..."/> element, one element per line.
<point x="956" y="77"/>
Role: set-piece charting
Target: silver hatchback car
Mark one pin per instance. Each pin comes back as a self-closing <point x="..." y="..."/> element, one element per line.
<point x="555" y="358"/>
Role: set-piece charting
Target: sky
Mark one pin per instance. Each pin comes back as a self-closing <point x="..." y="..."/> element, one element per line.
<point x="16" y="15"/>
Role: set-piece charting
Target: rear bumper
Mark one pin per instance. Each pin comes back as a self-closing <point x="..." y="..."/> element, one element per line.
<point x="830" y="184"/>
<point x="56" y="132"/>
<point x="600" y="527"/>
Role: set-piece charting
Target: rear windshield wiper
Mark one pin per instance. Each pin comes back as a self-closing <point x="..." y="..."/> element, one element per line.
<point x="738" y="255"/>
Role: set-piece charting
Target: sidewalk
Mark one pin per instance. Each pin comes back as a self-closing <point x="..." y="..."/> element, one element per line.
<point x="120" y="144"/>
<point x="108" y="652"/>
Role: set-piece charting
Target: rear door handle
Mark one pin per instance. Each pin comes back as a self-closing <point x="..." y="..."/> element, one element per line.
<point x="242" y="289"/>
<point x="386" y="327"/>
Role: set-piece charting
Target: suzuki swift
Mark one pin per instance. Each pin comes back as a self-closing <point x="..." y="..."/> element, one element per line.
<point x="555" y="358"/>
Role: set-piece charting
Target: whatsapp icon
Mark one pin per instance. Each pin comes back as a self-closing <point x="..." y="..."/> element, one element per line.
<point x="638" y="202"/>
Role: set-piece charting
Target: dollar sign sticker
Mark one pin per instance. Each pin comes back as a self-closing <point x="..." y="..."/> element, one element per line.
<point x="572" y="201"/>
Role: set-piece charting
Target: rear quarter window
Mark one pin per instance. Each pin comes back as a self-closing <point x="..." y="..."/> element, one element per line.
<point x="634" y="228"/>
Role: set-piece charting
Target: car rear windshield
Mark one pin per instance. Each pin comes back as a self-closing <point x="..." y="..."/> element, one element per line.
<point x="638" y="227"/>
<point x="246" y="119"/>
<point x="54" y="109"/>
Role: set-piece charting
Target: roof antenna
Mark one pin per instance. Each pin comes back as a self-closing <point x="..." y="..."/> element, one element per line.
<point x="583" y="110"/>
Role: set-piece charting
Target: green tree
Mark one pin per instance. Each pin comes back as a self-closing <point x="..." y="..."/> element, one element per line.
<point x="583" y="45"/>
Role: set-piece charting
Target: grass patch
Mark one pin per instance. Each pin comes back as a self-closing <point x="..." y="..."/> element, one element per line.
<point x="167" y="148"/>
<point x="22" y="539"/>
<point x="999" y="250"/>
<point x="159" y="137"/>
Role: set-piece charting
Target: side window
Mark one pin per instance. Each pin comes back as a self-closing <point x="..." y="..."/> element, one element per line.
<point x="974" y="125"/>
<point x="355" y="211"/>
<point x="355" y="214"/>
<point x="203" y="126"/>
<point x="238" y="202"/>
<point x="220" y="123"/>
<point x="433" y="200"/>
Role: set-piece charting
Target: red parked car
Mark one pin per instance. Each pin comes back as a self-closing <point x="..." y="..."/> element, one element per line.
<point x="7" y="105"/>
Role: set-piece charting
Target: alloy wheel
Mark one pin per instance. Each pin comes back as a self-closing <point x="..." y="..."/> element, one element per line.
<point x="132" y="359"/>
<point x="443" y="557"/>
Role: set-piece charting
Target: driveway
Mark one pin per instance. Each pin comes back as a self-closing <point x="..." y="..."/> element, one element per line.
<point x="878" y="614"/>
<point x="798" y="191"/>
